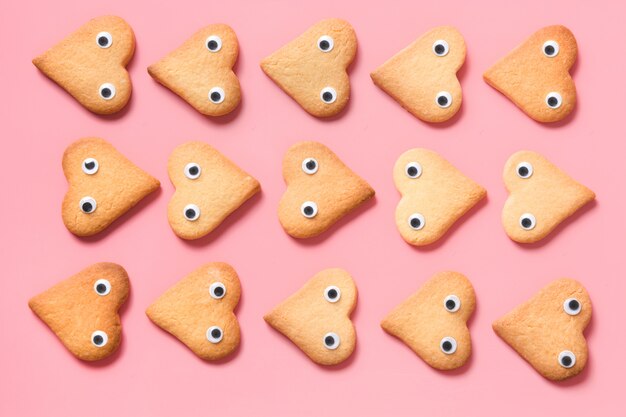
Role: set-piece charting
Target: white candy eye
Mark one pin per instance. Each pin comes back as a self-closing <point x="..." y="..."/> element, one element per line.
<point x="554" y="100"/>
<point x="328" y="95"/>
<point x="213" y="43"/>
<point x="331" y="341"/>
<point x="99" y="338"/>
<point x="572" y="306"/>
<point x="216" y="95"/>
<point x="416" y="221"/>
<point x="332" y="294"/>
<point x="567" y="359"/>
<point x="310" y="166"/>
<point x="443" y="99"/>
<point x="191" y="212"/>
<point x="192" y="170"/>
<point x="413" y="170"/>
<point x="217" y="290"/>
<point x="448" y="345"/>
<point x="87" y="205"/>
<point x="102" y="287"/>
<point x="104" y="40"/>
<point x="550" y="49"/>
<point x="107" y="91"/>
<point x="441" y="48"/>
<point x="308" y="209"/>
<point x="524" y="170"/>
<point x="527" y="221"/>
<point x="214" y="334"/>
<point x="325" y="43"/>
<point x="452" y="303"/>
<point x="90" y="166"/>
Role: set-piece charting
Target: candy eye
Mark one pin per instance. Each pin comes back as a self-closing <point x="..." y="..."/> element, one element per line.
<point x="192" y="170"/>
<point x="443" y="99"/>
<point x="213" y="43"/>
<point x="413" y="170"/>
<point x="554" y="100"/>
<point x="104" y="40"/>
<point x="331" y="341"/>
<point x="328" y="95"/>
<point x="448" y="345"/>
<point x="216" y="95"/>
<point x="214" y="334"/>
<point x="102" y="287"/>
<point x="441" y="48"/>
<point x="524" y="170"/>
<point x="191" y="212"/>
<point x="217" y="290"/>
<point x="567" y="359"/>
<point x="572" y="306"/>
<point x="325" y="43"/>
<point x="99" y="338"/>
<point x="527" y="221"/>
<point x="550" y="49"/>
<point x="107" y="91"/>
<point x="87" y="205"/>
<point x="310" y="166"/>
<point x="332" y="294"/>
<point x="308" y="209"/>
<point x="90" y="166"/>
<point x="452" y="303"/>
<point x="416" y="221"/>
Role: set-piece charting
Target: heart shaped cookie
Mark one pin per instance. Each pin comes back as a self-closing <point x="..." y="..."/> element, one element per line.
<point x="200" y="71"/>
<point x="317" y="317"/>
<point x="535" y="75"/>
<point x="433" y="321"/>
<point x="209" y="187"/>
<point x="541" y="197"/>
<point x="90" y="64"/>
<point x="199" y="311"/>
<point x="547" y="330"/>
<point x="422" y="77"/>
<point x="434" y="195"/>
<point x="312" y="68"/>
<point x="320" y="190"/>
<point x="103" y="185"/>
<point x="83" y="310"/>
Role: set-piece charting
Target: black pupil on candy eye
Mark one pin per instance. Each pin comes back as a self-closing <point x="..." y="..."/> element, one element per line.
<point x="212" y="44"/>
<point x="329" y="340"/>
<point x="447" y="346"/>
<point x="412" y="171"/>
<point x="190" y="213"/>
<point x="450" y="304"/>
<point x="552" y="101"/>
<point x="87" y="207"/>
<point x="101" y="288"/>
<point x="324" y="45"/>
<point x="327" y="96"/>
<point x="566" y="361"/>
<point x="526" y="222"/>
<point x="215" y="96"/>
<point x="106" y="92"/>
<point x="332" y="294"/>
<point x="216" y="333"/>
<point x="310" y="165"/>
<point x="442" y="100"/>
<point x="103" y="41"/>
<point x="523" y="171"/>
<point x="219" y="291"/>
<point x="549" y="50"/>
<point x="193" y="170"/>
<point x="308" y="210"/>
<point x="574" y="305"/>
<point x="415" y="222"/>
<point x="90" y="165"/>
<point x="440" y="49"/>
<point x="98" y="340"/>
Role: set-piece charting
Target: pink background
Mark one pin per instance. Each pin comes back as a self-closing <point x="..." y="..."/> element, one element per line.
<point x="153" y="374"/>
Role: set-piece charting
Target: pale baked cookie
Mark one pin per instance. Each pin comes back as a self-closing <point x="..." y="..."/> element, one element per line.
<point x="90" y="64"/>
<point x="209" y="187"/>
<point x="535" y="75"/>
<point x="320" y="190"/>
<point x="312" y="68"/>
<point x="433" y="321"/>
<point x="422" y="77"/>
<point x="547" y="330"/>
<point x="103" y="185"/>
<point x="317" y="317"/>
<point x="434" y="195"/>
<point x="200" y="71"/>
<point x="541" y="197"/>
<point x="199" y="311"/>
<point x="83" y="310"/>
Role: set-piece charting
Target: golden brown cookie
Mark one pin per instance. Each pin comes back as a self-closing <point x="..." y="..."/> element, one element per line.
<point x="200" y="71"/>
<point x="541" y="197"/>
<point x="199" y="311"/>
<point x="90" y="64"/>
<point x="317" y="317"/>
<point x="547" y="330"/>
<point x="535" y="75"/>
<point x="103" y="185"/>
<point x="320" y="190"/>
<point x="312" y="68"/>
<point x="422" y="77"/>
<point x="209" y="187"/>
<point x="83" y="310"/>
<point x="434" y="195"/>
<point x="433" y="321"/>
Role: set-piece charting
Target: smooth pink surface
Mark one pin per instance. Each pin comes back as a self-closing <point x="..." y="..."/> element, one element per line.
<point x="153" y="374"/>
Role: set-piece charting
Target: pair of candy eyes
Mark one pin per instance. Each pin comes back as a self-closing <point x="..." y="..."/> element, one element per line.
<point x="331" y="340"/>
<point x="107" y="90"/>
<point x="525" y="170"/>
